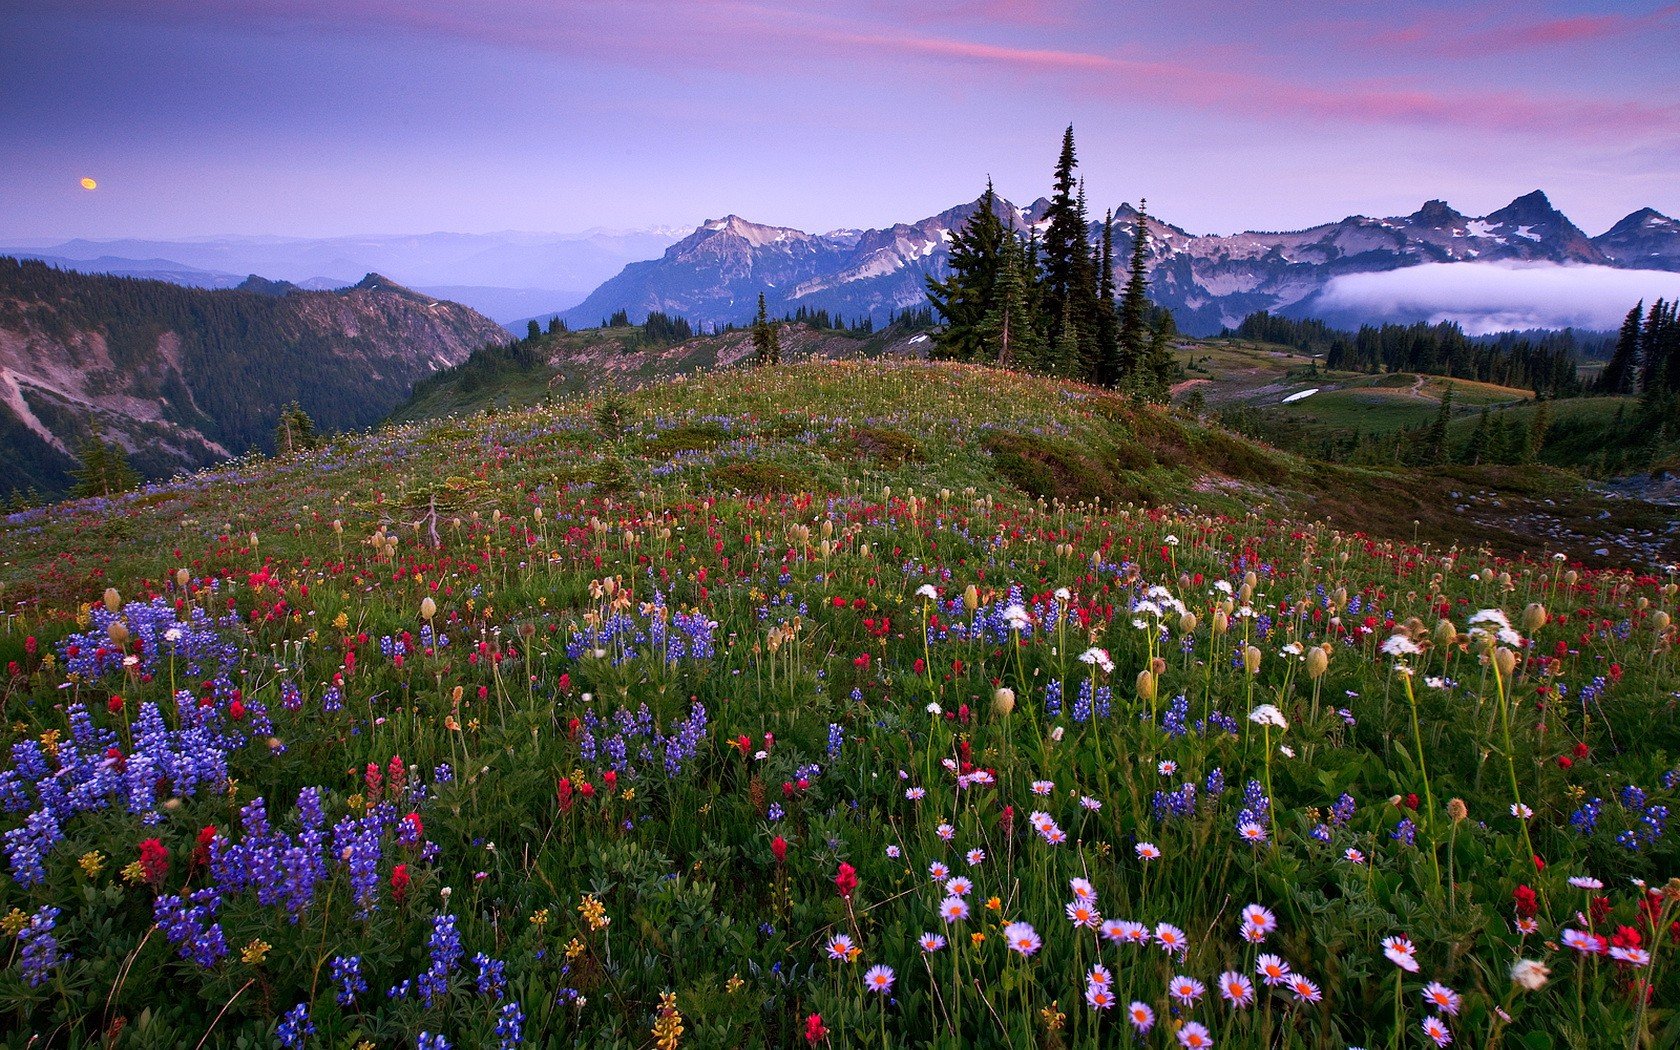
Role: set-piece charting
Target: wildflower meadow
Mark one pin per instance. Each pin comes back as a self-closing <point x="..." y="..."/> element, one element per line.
<point x="767" y="710"/>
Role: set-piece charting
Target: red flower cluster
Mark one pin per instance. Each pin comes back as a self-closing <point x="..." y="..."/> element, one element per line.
<point x="814" y="1030"/>
<point x="846" y="880"/>
<point x="154" y="861"/>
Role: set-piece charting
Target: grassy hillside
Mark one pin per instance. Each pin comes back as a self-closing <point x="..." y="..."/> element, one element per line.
<point x="535" y="371"/>
<point x="843" y="703"/>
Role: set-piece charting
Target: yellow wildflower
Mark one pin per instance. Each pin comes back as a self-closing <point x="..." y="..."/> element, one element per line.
<point x="1053" y="1017"/>
<point x="133" y="872"/>
<point x="593" y="912"/>
<point x="92" y="862"/>
<point x="977" y="939"/>
<point x="734" y="983"/>
<point x="574" y="948"/>
<point x="994" y="904"/>
<point x="255" y="952"/>
<point x="668" y="1028"/>
<point x="539" y="918"/>
<point x="14" y="922"/>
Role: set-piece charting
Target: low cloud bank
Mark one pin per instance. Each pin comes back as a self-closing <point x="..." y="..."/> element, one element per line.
<point x="1497" y="296"/>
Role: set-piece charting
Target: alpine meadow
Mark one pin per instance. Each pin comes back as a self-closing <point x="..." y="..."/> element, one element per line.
<point x="1029" y="626"/>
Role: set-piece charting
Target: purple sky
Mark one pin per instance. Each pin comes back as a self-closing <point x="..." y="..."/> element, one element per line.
<point x="318" y="117"/>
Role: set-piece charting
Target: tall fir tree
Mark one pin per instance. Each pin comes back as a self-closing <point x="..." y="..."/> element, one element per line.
<point x="1476" y="447"/>
<point x="1010" y="328"/>
<point x="1066" y="251"/>
<point x="1538" y="425"/>
<point x="1134" y="304"/>
<point x="1623" y="368"/>
<point x="1105" y="333"/>
<point x="766" y="347"/>
<point x="969" y="289"/>
<point x="1651" y="358"/>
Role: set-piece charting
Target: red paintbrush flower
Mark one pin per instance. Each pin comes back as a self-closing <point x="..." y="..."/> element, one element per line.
<point x="846" y="880"/>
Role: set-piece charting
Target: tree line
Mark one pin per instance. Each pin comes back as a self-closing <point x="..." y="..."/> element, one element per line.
<point x="1052" y="305"/>
<point x="1546" y="363"/>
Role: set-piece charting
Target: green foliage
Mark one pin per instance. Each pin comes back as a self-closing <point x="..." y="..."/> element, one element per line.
<point x="767" y="347"/>
<point x="104" y="469"/>
<point x="230" y="361"/>
<point x="1547" y="363"/>
<point x="295" y="432"/>
<point x="1049" y="306"/>
<point x="661" y="329"/>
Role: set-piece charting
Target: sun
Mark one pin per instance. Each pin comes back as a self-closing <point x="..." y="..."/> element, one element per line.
<point x="89" y="184"/>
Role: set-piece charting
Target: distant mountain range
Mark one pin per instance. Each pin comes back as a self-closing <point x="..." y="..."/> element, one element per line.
<point x="182" y="377"/>
<point x="715" y="274"/>
<point x="503" y="275"/>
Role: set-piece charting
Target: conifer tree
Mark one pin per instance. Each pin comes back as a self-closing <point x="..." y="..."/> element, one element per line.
<point x="1435" y="441"/>
<point x="1066" y="250"/>
<point x="1010" y="331"/>
<point x="766" y="351"/>
<point x="1619" y="374"/>
<point x="969" y="290"/>
<point x="295" y="431"/>
<point x="1134" y="304"/>
<point x="1066" y="356"/>
<point x="1160" y="368"/>
<point x="1537" y="427"/>
<point x="1651" y="358"/>
<point x="1476" y="448"/>
<point x="104" y="470"/>
<point x="1106" y="324"/>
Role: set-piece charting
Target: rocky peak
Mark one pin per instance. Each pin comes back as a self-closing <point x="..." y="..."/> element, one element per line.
<point x="1438" y="214"/>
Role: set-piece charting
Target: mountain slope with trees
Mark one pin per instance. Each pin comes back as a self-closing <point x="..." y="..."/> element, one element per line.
<point x="172" y="378"/>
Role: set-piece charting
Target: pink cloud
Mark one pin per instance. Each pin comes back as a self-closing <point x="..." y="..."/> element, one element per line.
<point x="1254" y="94"/>
<point x="1474" y="34"/>
<point x="777" y="39"/>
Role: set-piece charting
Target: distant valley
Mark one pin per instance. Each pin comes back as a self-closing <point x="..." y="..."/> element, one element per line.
<point x="505" y="276"/>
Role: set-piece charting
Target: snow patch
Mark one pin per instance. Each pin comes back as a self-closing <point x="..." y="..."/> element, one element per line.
<point x="1482" y="228"/>
<point x="1300" y="395"/>
<point x="918" y="339"/>
<point x="1528" y="232"/>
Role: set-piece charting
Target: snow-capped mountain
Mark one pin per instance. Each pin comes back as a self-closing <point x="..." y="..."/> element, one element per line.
<point x="715" y="274"/>
<point x="1647" y="238"/>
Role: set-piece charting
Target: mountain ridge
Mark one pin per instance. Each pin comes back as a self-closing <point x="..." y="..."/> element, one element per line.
<point x="714" y="275"/>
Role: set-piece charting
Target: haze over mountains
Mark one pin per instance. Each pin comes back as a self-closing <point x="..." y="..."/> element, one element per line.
<point x="503" y="275"/>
